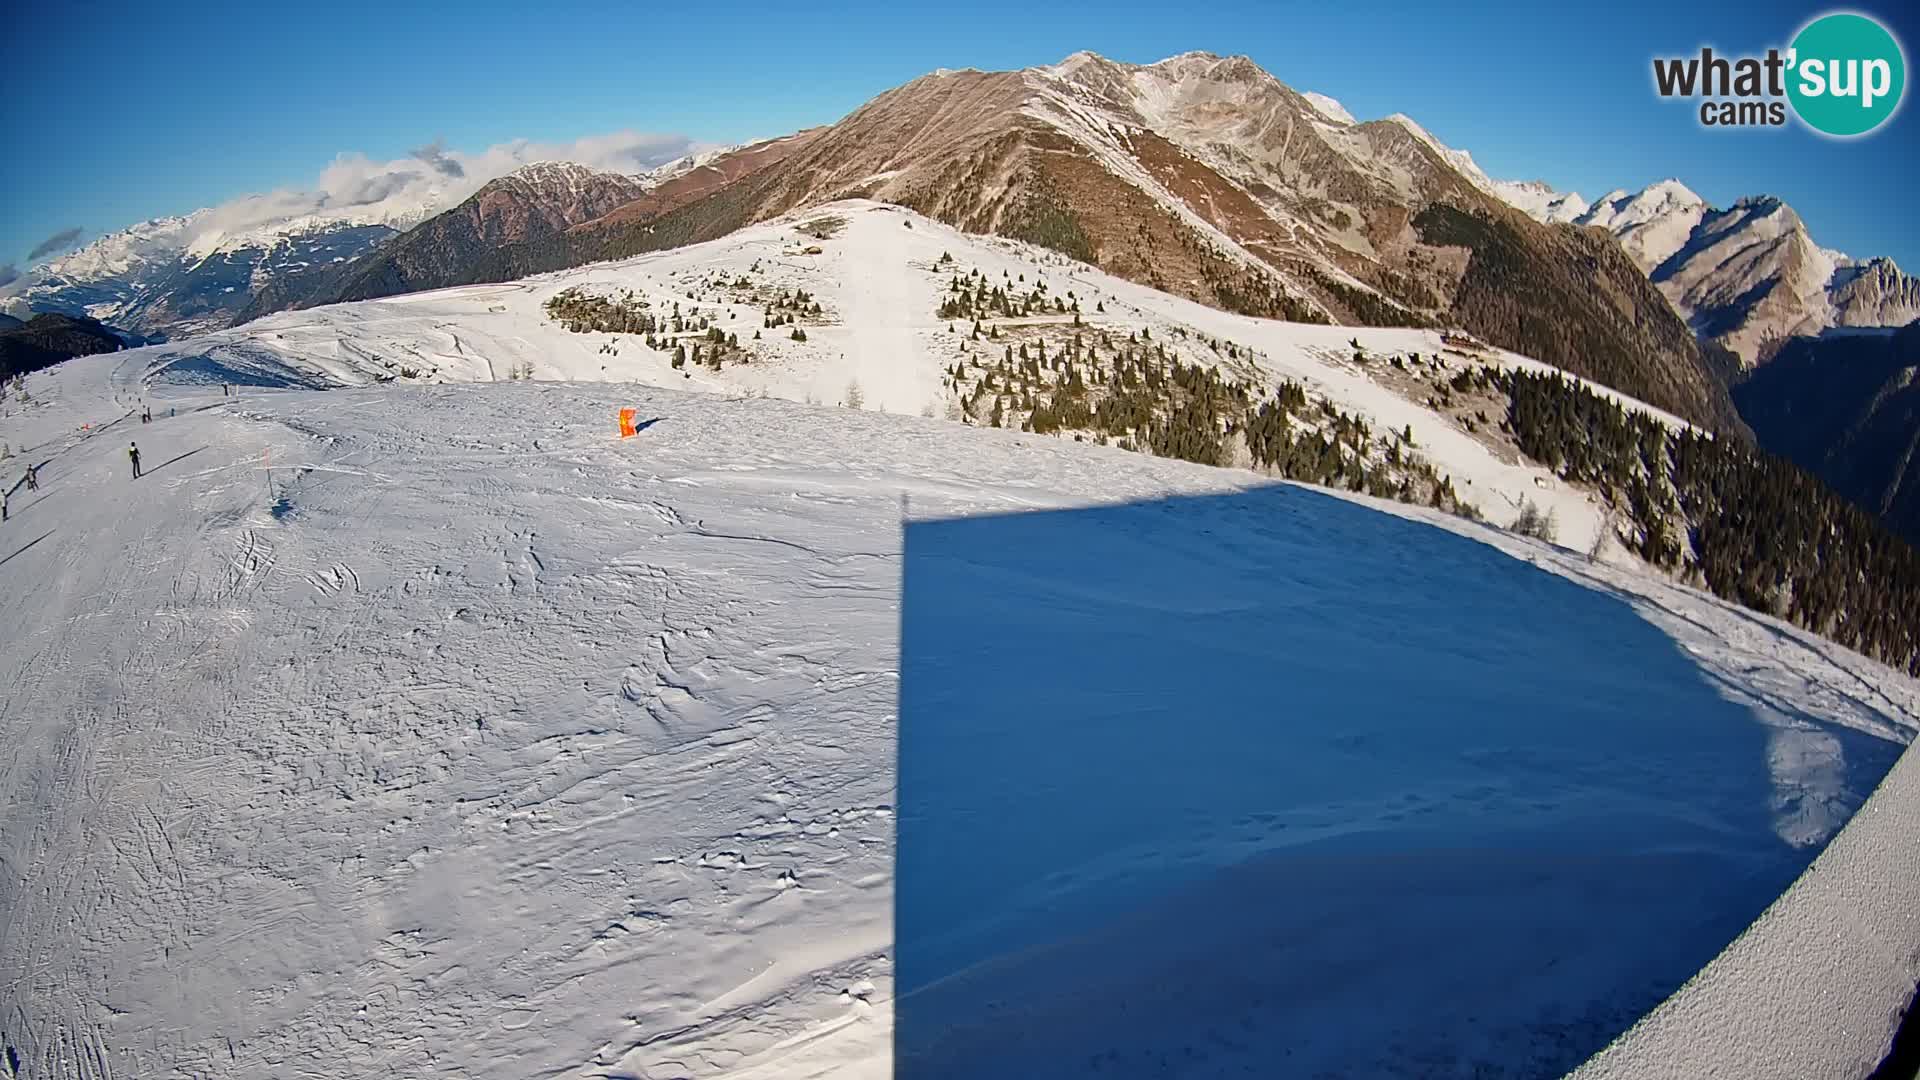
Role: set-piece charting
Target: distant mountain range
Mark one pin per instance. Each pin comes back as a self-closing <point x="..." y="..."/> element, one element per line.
<point x="1201" y="175"/>
<point x="147" y="279"/>
<point x="177" y="276"/>
<point x="533" y="202"/>
<point x="1750" y="277"/>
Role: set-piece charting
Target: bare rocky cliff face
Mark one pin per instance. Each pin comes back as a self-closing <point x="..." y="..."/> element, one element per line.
<point x="1875" y="293"/>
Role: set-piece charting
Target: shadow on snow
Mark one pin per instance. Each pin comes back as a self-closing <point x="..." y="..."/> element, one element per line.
<point x="178" y="457"/>
<point x="25" y="546"/>
<point x="1273" y="784"/>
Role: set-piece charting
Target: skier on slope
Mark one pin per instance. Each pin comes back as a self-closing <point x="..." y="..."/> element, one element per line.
<point x="33" y="478"/>
<point x="133" y="454"/>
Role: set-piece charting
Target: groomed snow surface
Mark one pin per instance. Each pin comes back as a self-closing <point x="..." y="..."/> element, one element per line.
<point x="433" y="731"/>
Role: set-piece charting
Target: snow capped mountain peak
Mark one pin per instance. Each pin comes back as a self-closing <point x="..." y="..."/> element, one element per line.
<point x="119" y="252"/>
<point x="1202" y="65"/>
<point x="546" y="169"/>
<point x="1186" y="61"/>
<point x="1084" y="66"/>
<point x="1539" y="200"/>
<point x="1673" y="192"/>
<point x="680" y="166"/>
<point x="559" y="179"/>
<point x="1652" y="223"/>
<point x="1668" y="200"/>
<point x="1751" y="274"/>
<point x="1203" y="100"/>
<point x="1066" y="68"/>
<point x="1618" y="208"/>
<point x="1757" y="215"/>
<point x="1329" y="108"/>
<point x="1567" y="207"/>
<point x="276" y="228"/>
<point x="1153" y="87"/>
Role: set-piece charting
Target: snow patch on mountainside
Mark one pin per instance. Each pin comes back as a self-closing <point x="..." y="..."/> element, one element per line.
<point x="1461" y="160"/>
<point x="1330" y="108"/>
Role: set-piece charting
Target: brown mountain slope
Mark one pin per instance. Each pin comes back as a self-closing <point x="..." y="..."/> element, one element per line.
<point x="528" y="205"/>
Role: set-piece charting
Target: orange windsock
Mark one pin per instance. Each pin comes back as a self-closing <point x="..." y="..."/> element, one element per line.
<point x="626" y="423"/>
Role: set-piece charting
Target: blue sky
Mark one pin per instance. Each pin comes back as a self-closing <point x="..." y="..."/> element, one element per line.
<point x="125" y="111"/>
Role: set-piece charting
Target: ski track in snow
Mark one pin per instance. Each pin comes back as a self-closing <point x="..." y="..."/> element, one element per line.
<point x="885" y="317"/>
<point x="433" y="731"/>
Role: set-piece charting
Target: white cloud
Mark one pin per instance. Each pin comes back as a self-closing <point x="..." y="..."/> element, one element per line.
<point x="355" y="188"/>
<point x="436" y="156"/>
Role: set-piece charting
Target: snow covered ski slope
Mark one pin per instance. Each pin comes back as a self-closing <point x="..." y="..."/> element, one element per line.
<point x="878" y="274"/>
<point x="433" y="731"/>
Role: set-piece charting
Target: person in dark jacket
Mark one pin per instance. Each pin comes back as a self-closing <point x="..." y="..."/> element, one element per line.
<point x="133" y="455"/>
<point x="33" y="478"/>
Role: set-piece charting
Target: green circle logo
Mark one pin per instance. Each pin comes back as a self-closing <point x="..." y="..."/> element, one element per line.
<point x="1847" y="74"/>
